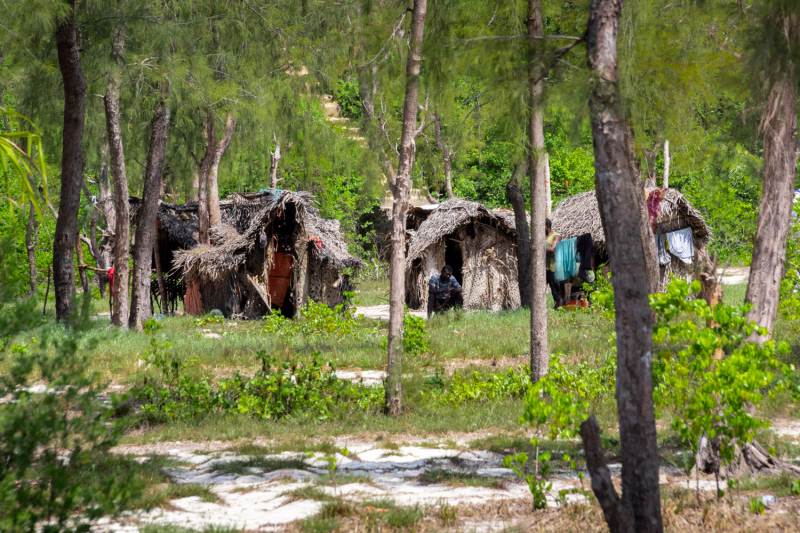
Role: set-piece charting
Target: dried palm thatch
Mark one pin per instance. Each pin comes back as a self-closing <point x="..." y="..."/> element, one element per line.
<point x="487" y="239"/>
<point x="233" y="272"/>
<point x="580" y="214"/>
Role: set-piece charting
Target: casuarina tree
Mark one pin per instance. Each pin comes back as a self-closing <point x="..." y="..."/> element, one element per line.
<point x="639" y="507"/>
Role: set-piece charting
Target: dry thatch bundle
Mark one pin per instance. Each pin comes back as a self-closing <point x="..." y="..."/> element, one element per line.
<point x="481" y="244"/>
<point x="236" y="266"/>
<point x="580" y="214"/>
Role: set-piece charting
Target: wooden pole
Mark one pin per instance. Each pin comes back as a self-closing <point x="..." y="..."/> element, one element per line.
<point x="47" y="292"/>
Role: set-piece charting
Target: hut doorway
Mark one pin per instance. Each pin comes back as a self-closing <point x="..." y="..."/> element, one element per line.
<point x="454" y="258"/>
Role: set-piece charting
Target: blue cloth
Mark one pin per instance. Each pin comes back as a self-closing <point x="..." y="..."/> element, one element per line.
<point x="437" y="284"/>
<point x="567" y="259"/>
<point x="681" y="245"/>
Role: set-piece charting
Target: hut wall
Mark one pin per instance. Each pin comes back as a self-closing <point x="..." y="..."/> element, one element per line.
<point x="431" y="263"/>
<point x="300" y="272"/>
<point x="324" y="283"/>
<point x="490" y="270"/>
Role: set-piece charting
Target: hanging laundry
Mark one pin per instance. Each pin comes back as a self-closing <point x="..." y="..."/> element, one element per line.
<point x="566" y="259"/>
<point x="681" y="245"/>
<point x="585" y="248"/>
<point x="661" y="246"/>
<point x="654" y="205"/>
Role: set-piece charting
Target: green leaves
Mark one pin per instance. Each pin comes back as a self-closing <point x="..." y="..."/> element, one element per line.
<point x="21" y="164"/>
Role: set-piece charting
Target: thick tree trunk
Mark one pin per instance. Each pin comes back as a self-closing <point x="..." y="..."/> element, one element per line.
<point x="31" y="240"/>
<point x="446" y="157"/>
<point x="539" y="353"/>
<point x="775" y="208"/>
<point x="274" y="159"/>
<point x="116" y="152"/>
<point x="146" y="226"/>
<point x="214" y="213"/>
<point x="69" y="61"/>
<point x="633" y="325"/>
<point x="645" y="229"/>
<point x="514" y="192"/>
<point x="400" y="184"/>
<point x="202" y="177"/>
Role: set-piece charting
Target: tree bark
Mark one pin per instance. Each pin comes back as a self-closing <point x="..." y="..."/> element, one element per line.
<point x="648" y="238"/>
<point x="162" y="288"/>
<point x="146" y="225"/>
<point x="31" y="240"/>
<point x="548" y="192"/>
<point x="215" y="215"/>
<point x="633" y="325"/>
<point x="116" y="152"/>
<point x="514" y="192"/>
<point x="400" y="185"/>
<point x="446" y="157"/>
<point x="539" y="351"/>
<point x="105" y="201"/>
<point x="81" y="269"/>
<point x="274" y="159"/>
<point x="202" y="177"/>
<point x="69" y="61"/>
<point x="775" y="208"/>
<point x="665" y="180"/>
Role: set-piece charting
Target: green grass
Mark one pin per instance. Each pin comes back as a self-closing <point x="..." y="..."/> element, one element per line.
<point x="778" y="486"/>
<point x="268" y="464"/>
<point x="460" y="479"/>
<point x="371" y="292"/>
<point x="310" y="493"/>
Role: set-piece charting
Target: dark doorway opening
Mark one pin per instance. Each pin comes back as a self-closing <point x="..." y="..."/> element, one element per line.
<point x="454" y="258"/>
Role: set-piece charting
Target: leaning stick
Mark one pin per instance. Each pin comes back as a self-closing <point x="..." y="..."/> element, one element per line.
<point x="46" y="293"/>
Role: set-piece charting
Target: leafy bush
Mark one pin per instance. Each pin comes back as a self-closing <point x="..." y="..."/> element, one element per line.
<point x="346" y="93"/>
<point x="276" y="391"/>
<point x="713" y="396"/>
<point x="789" y="303"/>
<point x="482" y="386"/>
<point x="316" y="323"/>
<point x="54" y="440"/>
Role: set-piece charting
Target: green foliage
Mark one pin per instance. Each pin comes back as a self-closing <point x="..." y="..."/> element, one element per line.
<point x="713" y="396"/>
<point x="21" y="164"/>
<point x="278" y="390"/>
<point x="346" y="93"/>
<point x="480" y="387"/>
<point x="55" y="433"/>
<point x="416" y="340"/>
<point x="757" y="505"/>
<point x="315" y="324"/>
<point x="603" y="295"/>
<point x="789" y="303"/>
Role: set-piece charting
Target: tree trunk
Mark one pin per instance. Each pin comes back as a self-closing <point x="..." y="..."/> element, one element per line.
<point x="665" y="180"/>
<point x="121" y="206"/>
<point x="514" y="192"/>
<point x="274" y="159"/>
<point x="162" y="288"/>
<point x="31" y="240"/>
<point x="106" y="203"/>
<point x="146" y="225"/>
<point x="775" y="208"/>
<point x="548" y="192"/>
<point x="539" y="353"/>
<point x="69" y="61"/>
<point x="81" y="269"/>
<point x="652" y="268"/>
<point x="446" y="157"/>
<point x="650" y="162"/>
<point x="213" y="186"/>
<point x="633" y="325"/>
<point x="400" y="185"/>
<point x="202" y="176"/>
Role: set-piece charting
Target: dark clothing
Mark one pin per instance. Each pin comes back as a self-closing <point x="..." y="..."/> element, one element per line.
<point x="451" y="300"/>
<point x="555" y="286"/>
<point x="437" y="284"/>
<point x="585" y="247"/>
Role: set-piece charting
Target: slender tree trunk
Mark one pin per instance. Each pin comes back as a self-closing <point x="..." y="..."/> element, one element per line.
<point x="539" y="353"/>
<point x="665" y="181"/>
<point x="645" y="229"/>
<point x="121" y="206"/>
<point x="146" y="226"/>
<point x="275" y="158"/>
<point x="31" y="240"/>
<point x="446" y="156"/>
<point x="81" y="269"/>
<point x="618" y="212"/>
<point x="215" y="214"/>
<point x="400" y="184"/>
<point x="105" y="202"/>
<point x="650" y="162"/>
<point x="162" y="288"/>
<point x="202" y="186"/>
<point x="775" y="208"/>
<point x="514" y="192"/>
<point x="69" y="61"/>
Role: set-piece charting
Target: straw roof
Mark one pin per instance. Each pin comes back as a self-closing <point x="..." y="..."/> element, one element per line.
<point x="580" y="214"/>
<point x="450" y="215"/>
<point x="249" y="213"/>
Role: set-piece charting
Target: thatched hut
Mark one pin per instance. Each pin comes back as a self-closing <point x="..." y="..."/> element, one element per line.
<point x="478" y="242"/>
<point x="273" y="251"/>
<point x="580" y="214"/>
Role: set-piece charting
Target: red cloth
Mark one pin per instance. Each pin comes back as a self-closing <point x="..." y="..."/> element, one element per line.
<point x="654" y="205"/>
<point x="111" y="280"/>
<point x="317" y="241"/>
